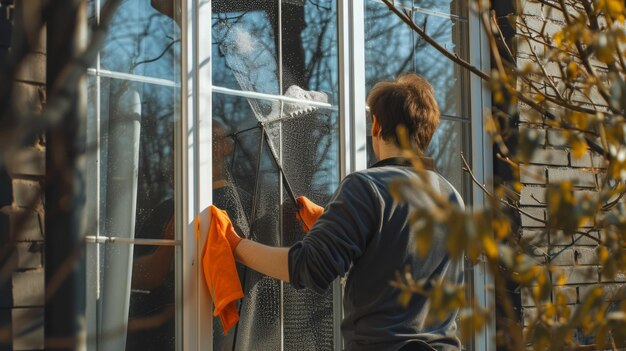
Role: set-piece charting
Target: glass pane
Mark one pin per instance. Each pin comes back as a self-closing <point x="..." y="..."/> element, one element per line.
<point x="309" y="47"/>
<point x="136" y="313"/>
<point x="137" y="155"/>
<point x="245" y="45"/>
<point x="310" y="160"/>
<point x="388" y="44"/>
<point x="143" y="39"/>
<point x="91" y="167"/>
<point x="448" y="79"/>
<point x="256" y="192"/>
<point x="92" y="252"/>
<point x="308" y="319"/>
<point x="445" y="148"/>
<point x="92" y="19"/>
<point x="310" y="152"/>
<point x="392" y="48"/>
<point x="247" y="184"/>
<point x="152" y="299"/>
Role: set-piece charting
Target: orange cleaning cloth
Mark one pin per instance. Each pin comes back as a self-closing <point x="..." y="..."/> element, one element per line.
<point x="220" y="272"/>
<point x="308" y="212"/>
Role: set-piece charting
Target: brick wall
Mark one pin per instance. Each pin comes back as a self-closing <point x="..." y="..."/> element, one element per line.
<point x="554" y="163"/>
<point x="21" y="203"/>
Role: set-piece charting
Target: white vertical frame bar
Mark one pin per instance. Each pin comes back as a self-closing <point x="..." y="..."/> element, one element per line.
<point x="357" y="77"/>
<point x="345" y="157"/>
<point x="352" y="119"/>
<point x="194" y="171"/>
<point x="184" y="200"/>
<point x="344" y="20"/>
<point x="482" y="165"/>
<point x="204" y="150"/>
<point x="352" y="123"/>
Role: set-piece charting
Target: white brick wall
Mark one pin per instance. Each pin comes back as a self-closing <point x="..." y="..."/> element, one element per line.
<point x="28" y="288"/>
<point x="533" y="174"/>
<point x="575" y="255"/>
<point x="577" y="177"/>
<point x="552" y="157"/>
<point x="27" y="193"/>
<point x="533" y="217"/>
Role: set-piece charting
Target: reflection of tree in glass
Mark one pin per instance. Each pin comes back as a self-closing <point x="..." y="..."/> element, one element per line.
<point x="444" y="76"/>
<point x="388" y="45"/>
<point x="145" y="42"/>
<point x="391" y="48"/>
<point x="247" y="47"/>
<point x="137" y="37"/>
<point x="156" y="153"/>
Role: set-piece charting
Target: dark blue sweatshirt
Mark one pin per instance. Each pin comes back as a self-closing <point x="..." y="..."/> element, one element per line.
<point x="365" y="233"/>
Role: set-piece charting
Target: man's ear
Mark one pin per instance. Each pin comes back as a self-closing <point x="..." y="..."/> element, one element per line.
<point x="376" y="129"/>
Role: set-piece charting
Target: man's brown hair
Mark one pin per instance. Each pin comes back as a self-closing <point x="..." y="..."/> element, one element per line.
<point x="409" y="100"/>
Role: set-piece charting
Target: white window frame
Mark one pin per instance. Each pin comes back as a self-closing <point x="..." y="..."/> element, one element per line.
<point x="194" y="165"/>
<point x="482" y="166"/>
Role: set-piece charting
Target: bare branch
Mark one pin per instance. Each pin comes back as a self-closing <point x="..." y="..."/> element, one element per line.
<point x="468" y="169"/>
<point x="584" y="57"/>
<point x="454" y="57"/>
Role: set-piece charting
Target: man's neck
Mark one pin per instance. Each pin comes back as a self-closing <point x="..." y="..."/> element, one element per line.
<point x="388" y="150"/>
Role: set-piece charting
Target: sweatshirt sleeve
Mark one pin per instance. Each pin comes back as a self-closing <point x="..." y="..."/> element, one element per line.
<point x="338" y="237"/>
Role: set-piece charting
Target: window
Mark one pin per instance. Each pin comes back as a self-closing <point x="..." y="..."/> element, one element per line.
<point x="133" y="105"/>
<point x="245" y="105"/>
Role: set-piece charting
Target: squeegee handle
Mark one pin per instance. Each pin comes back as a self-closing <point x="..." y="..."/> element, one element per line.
<point x="286" y="183"/>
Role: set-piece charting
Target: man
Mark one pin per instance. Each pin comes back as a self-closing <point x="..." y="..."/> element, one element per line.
<point x="364" y="231"/>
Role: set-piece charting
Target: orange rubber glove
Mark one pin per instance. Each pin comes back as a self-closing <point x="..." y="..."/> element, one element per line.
<point x="233" y="239"/>
<point x="308" y="212"/>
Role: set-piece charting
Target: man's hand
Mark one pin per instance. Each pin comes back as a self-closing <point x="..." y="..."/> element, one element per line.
<point x="308" y="212"/>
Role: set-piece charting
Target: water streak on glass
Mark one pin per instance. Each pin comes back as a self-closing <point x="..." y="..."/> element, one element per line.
<point x="245" y="48"/>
